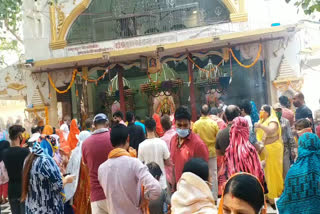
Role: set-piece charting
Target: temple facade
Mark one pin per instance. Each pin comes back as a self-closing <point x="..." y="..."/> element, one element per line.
<point x="91" y="56"/>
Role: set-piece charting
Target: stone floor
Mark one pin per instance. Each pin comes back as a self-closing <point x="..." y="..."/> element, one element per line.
<point x="5" y="208"/>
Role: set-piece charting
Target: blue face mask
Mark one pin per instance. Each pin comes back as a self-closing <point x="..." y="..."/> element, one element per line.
<point x="183" y="132"/>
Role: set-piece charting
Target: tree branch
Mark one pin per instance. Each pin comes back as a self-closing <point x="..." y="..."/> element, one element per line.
<point x="12" y="32"/>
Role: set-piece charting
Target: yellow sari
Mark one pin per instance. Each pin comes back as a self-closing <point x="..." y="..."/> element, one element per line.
<point x="273" y="156"/>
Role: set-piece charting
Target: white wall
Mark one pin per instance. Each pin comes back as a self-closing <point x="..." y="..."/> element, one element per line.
<point x="311" y="87"/>
<point x="36" y="29"/>
<point x="261" y="13"/>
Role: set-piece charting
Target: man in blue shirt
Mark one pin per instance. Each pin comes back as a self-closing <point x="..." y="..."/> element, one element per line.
<point x="138" y="123"/>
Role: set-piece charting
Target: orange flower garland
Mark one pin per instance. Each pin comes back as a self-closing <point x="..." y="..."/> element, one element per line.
<point x="253" y="63"/>
<point x="46" y="115"/>
<point x="70" y="85"/>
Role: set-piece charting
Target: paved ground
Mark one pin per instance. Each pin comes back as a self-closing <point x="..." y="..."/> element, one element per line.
<point x="5" y="209"/>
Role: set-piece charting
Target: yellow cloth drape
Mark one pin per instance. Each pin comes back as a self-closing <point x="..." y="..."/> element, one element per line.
<point x="273" y="156"/>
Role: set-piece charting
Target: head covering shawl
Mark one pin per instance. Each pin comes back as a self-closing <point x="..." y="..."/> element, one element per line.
<point x="74" y="131"/>
<point x="240" y="155"/>
<point x="74" y="164"/>
<point x="302" y="191"/>
<point x="48" y="130"/>
<point x="254" y="113"/>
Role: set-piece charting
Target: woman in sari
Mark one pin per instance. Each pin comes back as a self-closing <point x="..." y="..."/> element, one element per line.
<point x="302" y="191"/>
<point x="243" y="193"/>
<point x="268" y="131"/>
<point x="74" y="131"/>
<point x="42" y="182"/>
<point x="79" y="189"/>
<point x="240" y="155"/>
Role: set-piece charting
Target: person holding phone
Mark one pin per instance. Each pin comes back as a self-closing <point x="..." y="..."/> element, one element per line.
<point x="42" y="185"/>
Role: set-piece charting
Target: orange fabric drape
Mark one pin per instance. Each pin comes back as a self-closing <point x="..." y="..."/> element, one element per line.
<point x="159" y="129"/>
<point x="118" y="152"/>
<point x="48" y="130"/>
<point x="72" y="139"/>
<point x="63" y="143"/>
<point x="81" y="199"/>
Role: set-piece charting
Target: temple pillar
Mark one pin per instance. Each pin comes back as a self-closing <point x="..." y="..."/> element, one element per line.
<point x="53" y="109"/>
<point x="121" y="91"/>
<point x="192" y="93"/>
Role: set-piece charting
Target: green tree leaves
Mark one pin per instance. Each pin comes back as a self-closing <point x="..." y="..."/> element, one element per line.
<point x="10" y="21"/>
<point x="308" y="6"/>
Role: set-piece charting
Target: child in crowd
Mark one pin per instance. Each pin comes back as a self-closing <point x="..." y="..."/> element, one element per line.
<point x="162" y="204"/>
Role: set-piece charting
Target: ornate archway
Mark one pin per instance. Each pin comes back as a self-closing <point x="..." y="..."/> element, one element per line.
<point x="60" y="23"/>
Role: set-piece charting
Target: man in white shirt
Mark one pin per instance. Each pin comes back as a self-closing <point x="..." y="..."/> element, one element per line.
<point x="153" y="149"/>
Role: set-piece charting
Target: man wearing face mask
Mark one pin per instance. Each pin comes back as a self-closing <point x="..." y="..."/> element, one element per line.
<point x="185" y="144"/>
<point x="287" y="138"/>
<point x="13" y="159"/>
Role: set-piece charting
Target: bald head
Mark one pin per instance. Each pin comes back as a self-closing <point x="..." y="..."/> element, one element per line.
<point x="298" y="99"/>
<point x="232" y="112"/>
<point x="205" y="110"/>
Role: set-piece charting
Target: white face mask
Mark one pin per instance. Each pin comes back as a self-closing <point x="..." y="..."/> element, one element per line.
<point x="183" y="132"/>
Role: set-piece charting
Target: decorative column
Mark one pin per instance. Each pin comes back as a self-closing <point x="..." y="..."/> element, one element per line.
<point x="85" y="91"/>
<point x="192" y="95"/>
<point x="74" y="101"/>
<point x="52" y="13"/>
<point x="121" y="91"/>
<point x="53" y="108"/>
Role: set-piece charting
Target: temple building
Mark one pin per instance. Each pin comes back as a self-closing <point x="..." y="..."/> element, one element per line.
<point x="92" y="56"/>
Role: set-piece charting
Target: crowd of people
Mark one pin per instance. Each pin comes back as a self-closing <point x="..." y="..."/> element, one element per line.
<point x="231" y="160"/>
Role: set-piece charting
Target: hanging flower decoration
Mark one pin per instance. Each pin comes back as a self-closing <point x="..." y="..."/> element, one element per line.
<point x="75" y="71"/>
<point x="253" y="63"/>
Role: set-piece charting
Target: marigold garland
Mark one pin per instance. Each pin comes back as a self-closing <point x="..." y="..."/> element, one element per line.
<point x="46" y="111"/>
<point x="202" y="69"/>
<point x="253" y="63"/>
<point x="285" y="86"/>
<point x="99" y="78"/>
<point x="75" y="71"/>
<point x="205" y="70"/>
